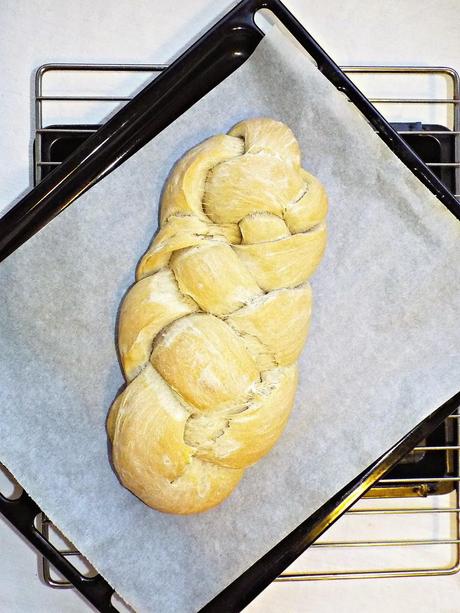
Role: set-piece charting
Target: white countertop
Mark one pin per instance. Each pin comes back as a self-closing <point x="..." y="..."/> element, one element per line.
<point x="153" y="31"/>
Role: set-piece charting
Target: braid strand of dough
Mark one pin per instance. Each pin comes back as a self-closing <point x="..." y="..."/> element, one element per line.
<point x="210" y="333"/>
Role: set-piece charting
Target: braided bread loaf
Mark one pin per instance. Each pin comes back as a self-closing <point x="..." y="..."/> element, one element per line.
<point x="210" y="332"/>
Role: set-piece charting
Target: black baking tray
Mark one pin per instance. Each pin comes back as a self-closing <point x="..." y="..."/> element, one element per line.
<point x="205" y="64"/>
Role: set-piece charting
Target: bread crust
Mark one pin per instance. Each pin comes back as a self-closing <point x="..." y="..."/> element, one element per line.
<point x="210" y="333"/>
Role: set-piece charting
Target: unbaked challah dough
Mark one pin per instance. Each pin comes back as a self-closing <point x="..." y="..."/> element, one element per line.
<point x="210" y="333"/>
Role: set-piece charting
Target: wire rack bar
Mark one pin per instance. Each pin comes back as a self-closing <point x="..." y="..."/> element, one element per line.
<point x="400" y="543"/>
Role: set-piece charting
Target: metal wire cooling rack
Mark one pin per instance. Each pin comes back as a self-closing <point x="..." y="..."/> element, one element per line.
<point x="423" y="114"/>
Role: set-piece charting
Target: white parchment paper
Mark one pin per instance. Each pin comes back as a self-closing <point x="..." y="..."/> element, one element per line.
<point x="383" y="350"/>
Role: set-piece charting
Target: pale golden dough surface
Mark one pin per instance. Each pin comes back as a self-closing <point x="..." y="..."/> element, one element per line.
<point x="210" y="333"/>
